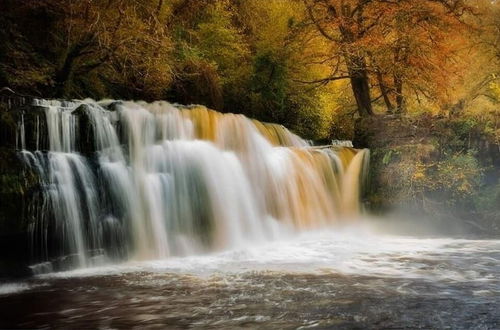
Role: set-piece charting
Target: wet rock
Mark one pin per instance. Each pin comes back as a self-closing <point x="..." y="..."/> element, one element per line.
<point x="114" y="106"/>
<point x="19" y="185"/>
<point x="86" y="143"/>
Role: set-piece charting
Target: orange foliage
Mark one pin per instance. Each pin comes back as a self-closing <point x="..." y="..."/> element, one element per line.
<point x="402" y="46"/>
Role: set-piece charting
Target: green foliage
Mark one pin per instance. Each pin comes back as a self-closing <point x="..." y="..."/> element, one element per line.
<point x="268" y="86"/>
<point x="309" y="118"/>
<point x="212" y="57"/>
<point x="387" y="158"/>
<point x="457" y="174"/>
<point x="438" y="166"/>
<point x="460" y="175"/>
<point x="235" y="56"/>
<point x="488" y="199"/>
<point x="342" y="125"/>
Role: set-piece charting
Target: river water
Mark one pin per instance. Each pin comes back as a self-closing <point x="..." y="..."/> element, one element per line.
<point x="343" y="278"/>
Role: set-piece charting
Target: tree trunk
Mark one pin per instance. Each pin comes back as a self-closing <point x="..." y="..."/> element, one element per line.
<point x="65" y="71"/>
<point x="400" y="99"/>
<point x="356" y="66"/>
<point x="63" y="75"/>
<point x="385" y="92"/>
<point x="361" y="91"/>
<point x="360" y="85"/>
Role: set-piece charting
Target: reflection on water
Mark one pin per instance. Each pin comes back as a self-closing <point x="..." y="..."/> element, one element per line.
<point x="342" y="280"/>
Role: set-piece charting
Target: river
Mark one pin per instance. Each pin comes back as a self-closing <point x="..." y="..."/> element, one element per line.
<point x="354" y="277"/>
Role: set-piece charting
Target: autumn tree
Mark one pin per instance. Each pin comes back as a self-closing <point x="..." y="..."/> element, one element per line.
<point x="346" y="25"/>
<point x="374" y="38"/>
<point x="302" y="63"/>
<point x="285" y="54"/>
<point x="482" y="80"/>
<point x="86" y="48"/>
<point x="421" y="49"/>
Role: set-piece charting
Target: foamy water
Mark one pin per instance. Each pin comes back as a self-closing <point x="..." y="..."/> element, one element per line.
<point x="355" y="251"/>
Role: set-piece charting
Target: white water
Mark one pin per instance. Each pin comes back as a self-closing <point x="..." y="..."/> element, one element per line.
<point x="358" y="250"/>
<point x="167" y="181"/>
<point x="17" y="287"/>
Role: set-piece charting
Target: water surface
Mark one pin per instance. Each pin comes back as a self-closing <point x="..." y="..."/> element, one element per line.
<point x="342" y="279"/>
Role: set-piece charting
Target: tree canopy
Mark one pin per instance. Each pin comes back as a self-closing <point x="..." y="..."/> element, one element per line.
<point x="308" y="64"/>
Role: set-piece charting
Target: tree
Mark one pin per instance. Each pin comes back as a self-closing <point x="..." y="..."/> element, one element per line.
<point x="486" y="50"/>
<point x="212" y="53"/>
<point x="284" y="55"/>
<point x="90" y="46"/>
<point x="421" y="47"/>
<point x="301" y="63"/>
<point x="345" y="25"/>
<point x="371" y="39"/>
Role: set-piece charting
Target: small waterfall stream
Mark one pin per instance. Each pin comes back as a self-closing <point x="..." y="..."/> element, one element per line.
<point x="160" y="180"/>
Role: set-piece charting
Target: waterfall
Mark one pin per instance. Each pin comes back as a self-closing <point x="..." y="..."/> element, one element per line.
<point x="160" y="180"/>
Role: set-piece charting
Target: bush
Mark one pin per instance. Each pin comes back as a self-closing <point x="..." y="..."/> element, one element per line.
<point x="456" y="177"/>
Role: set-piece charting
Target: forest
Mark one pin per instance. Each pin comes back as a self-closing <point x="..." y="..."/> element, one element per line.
<point x="312" y="65"/>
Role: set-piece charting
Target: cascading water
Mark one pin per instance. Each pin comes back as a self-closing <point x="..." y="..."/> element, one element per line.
<point x="163" y="180"/>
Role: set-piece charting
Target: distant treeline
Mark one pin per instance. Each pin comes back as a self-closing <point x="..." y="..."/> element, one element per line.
<point x="312" y="65"/>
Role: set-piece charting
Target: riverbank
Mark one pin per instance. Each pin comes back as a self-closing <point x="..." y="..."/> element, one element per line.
<point x="444" y="171"/>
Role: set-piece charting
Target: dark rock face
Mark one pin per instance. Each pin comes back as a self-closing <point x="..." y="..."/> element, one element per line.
<point x="18" y="188"/>
<point x="86" y="142"/>
<point x="22" y="123"/>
